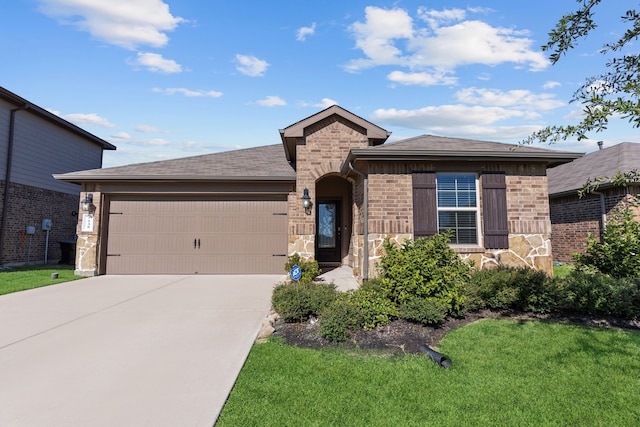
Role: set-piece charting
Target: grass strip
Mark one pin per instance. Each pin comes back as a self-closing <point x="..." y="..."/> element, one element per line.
<point x="35" y="276"/>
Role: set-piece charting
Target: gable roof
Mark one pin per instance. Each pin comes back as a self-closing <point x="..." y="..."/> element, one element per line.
<point x="432" y="147"/>
<point x="571" y="177"/>
<point x="23" y="104"/>
<point x="265" y="163"/>
<point x="293" y="134"/>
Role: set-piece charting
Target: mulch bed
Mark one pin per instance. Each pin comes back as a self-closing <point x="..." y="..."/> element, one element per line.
<point x="404" y="337"/>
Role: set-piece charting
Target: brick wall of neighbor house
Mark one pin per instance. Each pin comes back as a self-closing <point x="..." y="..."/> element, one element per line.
<point x="28" y="206"/>
<point x="88" y="241"/>
<point x="391" y="212"/>
<point x="574" y="218"/>
<point x="327" y="144"/>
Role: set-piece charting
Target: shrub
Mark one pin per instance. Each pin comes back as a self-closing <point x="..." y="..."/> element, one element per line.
<point x="340" y="320"/>
<point x="428" y="311"/>
<point x="374" y="308"/>
<point x="425" y="268"/>
<point x="296" y="302"/>
<point x="618" y="254"/>
<point x="310" y="269"/>
<point x="521" y="289"/>
<point x="600" y="294"/>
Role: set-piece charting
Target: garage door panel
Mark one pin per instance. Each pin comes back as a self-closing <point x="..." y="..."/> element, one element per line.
<point x="204" y="237"/>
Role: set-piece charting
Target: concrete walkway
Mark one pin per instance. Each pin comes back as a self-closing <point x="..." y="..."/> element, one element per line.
<point x="127" y="350"/>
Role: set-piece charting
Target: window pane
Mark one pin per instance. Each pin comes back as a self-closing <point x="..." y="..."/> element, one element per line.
<point x="447" y="199"/>
<point x="326" y="225"/>
<point x="463" y="225"/>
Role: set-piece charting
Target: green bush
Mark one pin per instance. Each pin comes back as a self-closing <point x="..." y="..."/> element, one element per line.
<point x="600" y="294"/>
<point x="340" y="320"/>
<point x="522" y="289"/>
<point x="296" y="302"/>
<point x="310" y="269"/>
<point x="618" y="254"/>
<point x="374" y="308"/>
<point x="425" y="268"/>
<point x="428" y="311"/>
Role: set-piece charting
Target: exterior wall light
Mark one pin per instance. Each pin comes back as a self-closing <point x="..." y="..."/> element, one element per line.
<point x="306" y="202"/>
<point x="87" y="203"/>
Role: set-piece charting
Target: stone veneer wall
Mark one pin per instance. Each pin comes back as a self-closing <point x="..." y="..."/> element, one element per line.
<point x="327" y="144"/>
<point x="87" y="251"/>
<point x="28" y="206"/>
<point x="391" y="214"/>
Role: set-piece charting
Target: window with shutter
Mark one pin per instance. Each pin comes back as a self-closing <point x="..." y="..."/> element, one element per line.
<point x="458" y="206"/>
<point x="494" y="209"/>
<point x="425" y="215"/>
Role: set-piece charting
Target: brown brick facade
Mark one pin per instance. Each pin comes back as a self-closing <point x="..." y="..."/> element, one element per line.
<point x="574" y="218"/>
<point x="28" y="206"/>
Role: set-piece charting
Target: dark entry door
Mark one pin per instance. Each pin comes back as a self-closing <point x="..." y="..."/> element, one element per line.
<point x="328" y="236"/>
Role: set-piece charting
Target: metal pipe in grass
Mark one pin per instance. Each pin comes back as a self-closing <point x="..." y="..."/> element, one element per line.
<point x="438" y="358"/>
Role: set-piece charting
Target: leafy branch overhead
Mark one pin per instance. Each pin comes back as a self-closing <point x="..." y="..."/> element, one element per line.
<point x="614" y="93"/>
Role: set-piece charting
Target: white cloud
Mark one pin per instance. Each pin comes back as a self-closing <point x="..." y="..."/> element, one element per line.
<point x="448" y="41"/>
<point x="326" y="103"/>
<point x="157" y="64"/>
<point x="445" y="116"/>
<point x="522" y="99"/>
<point x="272" y="101"/>
<point x="121" y="136"/>
<point x="376" y="36"/>
<point x="189" y="93"/>
<point x="551" y="85"/>
<point x="82" y="119"/>
<point x="303" y="32"/>
<point x="124" y="23"/>
<point x="251" y="66"/>
<point x="146" y="128"/>
<point x="422" y="79"/>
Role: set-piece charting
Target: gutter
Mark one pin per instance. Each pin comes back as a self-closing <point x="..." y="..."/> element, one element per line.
<point x="5" y="198"/>
<point x="365" y="231"/>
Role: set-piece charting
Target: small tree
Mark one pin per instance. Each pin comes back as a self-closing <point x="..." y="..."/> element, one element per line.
<point x="425" y="268"/>
<point x="618" y="254"/>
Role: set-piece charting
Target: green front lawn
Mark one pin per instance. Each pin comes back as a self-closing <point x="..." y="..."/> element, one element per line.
<point x="34" y="276"/>
<point x="505" y="373"/>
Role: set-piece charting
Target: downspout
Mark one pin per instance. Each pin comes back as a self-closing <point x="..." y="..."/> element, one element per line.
<point x="603" y="210"/>
<point x="365" y="231"/>
<point x="5" y="198"/>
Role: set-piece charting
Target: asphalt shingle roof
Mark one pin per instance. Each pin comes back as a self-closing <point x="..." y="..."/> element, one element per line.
<point x="447" y="144"/>
<point x="264" y="162"/>
<point x="573" y="176"/>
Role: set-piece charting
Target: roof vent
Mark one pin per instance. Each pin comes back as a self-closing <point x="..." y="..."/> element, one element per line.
<point x="600" y="145"/>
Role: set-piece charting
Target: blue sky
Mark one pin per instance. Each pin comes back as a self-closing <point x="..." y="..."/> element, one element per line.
<point x="166" y="79"/>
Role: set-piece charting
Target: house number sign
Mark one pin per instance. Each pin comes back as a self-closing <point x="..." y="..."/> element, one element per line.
<point x="87" y="222"/>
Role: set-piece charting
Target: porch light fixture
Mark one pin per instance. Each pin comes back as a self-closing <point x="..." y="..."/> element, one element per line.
<point x="87" y="202"/>
<point x="306" y="202"/>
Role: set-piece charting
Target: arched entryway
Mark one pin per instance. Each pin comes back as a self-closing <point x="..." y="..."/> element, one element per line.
<point x="334" y="221"/>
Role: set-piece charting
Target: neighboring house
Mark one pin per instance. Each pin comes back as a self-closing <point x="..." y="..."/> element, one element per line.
<point x="242" y="211"/>
<point x="572" y="217"/>
<point x="34" y="144"/>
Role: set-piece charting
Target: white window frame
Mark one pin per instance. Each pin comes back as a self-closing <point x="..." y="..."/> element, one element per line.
<point x="475" y="209"/>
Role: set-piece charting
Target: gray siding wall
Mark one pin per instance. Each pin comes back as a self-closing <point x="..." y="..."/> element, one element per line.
<point x="42" y="149"/>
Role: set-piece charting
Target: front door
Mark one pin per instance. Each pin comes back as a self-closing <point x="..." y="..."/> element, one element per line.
<point x="328" y="236"/>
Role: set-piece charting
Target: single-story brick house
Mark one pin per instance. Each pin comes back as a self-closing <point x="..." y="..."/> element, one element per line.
<point x="572" y="217"/>
<point x="34" y="144"/>
<point x="243" y="211"/>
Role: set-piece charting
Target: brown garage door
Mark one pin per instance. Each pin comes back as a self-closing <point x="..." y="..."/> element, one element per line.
<point x="196" y="237"/>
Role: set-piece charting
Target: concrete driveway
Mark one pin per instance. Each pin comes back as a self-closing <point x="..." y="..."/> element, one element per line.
<point x="127" y="350"/>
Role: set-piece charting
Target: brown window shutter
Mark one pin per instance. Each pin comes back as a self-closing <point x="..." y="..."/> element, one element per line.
<point x="425" y="210"/>
<point x="494" y="210"/>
